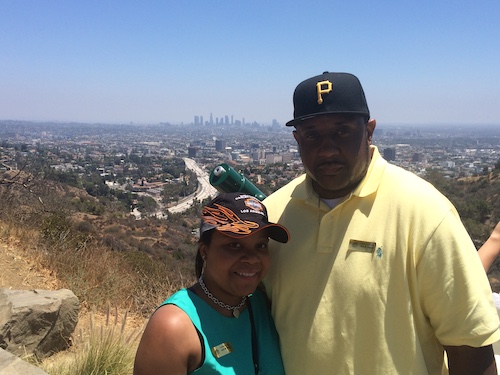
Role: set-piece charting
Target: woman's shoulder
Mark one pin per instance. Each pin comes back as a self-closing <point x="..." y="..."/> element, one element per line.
<point x="170" y="319"/>
<point x="169" y="341"/>
<point x="180" y="295"/>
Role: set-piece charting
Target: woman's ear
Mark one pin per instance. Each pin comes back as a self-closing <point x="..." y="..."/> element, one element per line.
<point x="203" y="251"/>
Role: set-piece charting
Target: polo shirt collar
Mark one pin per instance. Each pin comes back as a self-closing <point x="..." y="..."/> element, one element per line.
<point x="369" y="184"/>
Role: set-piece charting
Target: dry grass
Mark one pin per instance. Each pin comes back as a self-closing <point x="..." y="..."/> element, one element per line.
<point x="97" y="275"/>
<point x="103" y="342"/>
<point x="105" y="345"/>
<point x="64" y="252"/>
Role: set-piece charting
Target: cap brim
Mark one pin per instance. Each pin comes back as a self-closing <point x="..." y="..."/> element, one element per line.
<point x="276" y="232"/>
<point x="298" y="120"/>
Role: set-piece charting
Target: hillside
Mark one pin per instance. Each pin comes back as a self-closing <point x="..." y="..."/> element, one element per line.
<point x="93" y="246"/>
<point x="59" y="235"/>
<point x="477" y="200"/>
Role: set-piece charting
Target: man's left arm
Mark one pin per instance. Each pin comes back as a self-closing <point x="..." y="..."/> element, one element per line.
<point x="466" y="360"/>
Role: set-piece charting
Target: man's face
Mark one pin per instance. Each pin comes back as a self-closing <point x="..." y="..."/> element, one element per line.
<point x="335" y="152"/>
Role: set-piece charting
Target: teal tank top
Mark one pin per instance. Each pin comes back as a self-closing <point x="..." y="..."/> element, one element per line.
<point x="231" y="338"/>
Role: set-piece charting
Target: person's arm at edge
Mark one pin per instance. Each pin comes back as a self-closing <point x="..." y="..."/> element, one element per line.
<point x="490" y="249"/>
<point x="466" y="360"/>
<point x="169" y="345"/>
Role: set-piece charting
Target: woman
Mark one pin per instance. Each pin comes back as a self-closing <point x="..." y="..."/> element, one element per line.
<point x="221" y="324"/>
<point x="491" y="248"/>
<point x="488" y="253"/>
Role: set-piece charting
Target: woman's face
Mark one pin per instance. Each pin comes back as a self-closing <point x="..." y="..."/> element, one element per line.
<point x="235" y="266"/>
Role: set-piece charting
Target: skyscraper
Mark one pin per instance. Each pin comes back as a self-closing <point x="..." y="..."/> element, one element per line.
<point x="220" y="145"/>
<point x="389" y="154"/>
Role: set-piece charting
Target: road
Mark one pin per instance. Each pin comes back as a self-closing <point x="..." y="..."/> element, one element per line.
<point x="204" y="191"/>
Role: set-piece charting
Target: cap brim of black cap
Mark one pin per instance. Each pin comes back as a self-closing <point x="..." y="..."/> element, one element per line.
<point x="298" y="120"/>
<point x="278" y="233"/>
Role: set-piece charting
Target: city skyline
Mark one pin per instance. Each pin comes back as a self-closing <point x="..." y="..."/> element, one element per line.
<point x="455" y="150"/>
<point x="166" y="61"/>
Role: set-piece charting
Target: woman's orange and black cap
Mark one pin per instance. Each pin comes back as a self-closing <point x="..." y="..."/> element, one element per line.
<point x="239" y="215"/>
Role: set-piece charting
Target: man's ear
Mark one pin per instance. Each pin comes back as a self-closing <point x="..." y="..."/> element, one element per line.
<point x="370" y="128"/>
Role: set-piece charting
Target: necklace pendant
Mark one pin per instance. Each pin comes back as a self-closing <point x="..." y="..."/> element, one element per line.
<point x="236" y="313"/>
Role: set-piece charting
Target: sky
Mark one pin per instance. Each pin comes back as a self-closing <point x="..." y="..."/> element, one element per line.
<point x="122" y="61"/>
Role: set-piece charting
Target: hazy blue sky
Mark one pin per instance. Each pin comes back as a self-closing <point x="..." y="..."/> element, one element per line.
<point x="166" y="61"/>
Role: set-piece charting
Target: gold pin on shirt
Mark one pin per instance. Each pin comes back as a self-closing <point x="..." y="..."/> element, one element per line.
<point x="362" y="246"/>
<point x="222" y="349"/>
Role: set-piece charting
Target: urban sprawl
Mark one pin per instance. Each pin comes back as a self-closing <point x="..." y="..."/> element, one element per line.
<point x="454" y="150"/>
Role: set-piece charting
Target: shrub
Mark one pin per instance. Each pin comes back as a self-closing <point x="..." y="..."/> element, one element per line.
<point x="108" y="349"/>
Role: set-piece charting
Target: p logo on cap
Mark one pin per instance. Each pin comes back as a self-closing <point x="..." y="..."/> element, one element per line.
<point x="322" y="90"/>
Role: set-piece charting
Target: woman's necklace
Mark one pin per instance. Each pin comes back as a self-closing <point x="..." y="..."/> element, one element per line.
<point x="234" y="309"/>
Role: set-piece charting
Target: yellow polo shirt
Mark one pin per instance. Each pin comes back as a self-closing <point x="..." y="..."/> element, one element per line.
<point x="378" y="284"/>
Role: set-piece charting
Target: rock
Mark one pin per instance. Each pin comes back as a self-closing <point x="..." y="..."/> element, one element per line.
<point x="12" y="365"/>
<point x="38" y="322"/>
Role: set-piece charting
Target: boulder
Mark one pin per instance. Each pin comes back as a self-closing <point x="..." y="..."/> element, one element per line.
<point x="38" y="322"/>
<point x="13" y="365"/>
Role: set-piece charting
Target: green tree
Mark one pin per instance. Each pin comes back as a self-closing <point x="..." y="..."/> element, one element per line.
<point x="147" y="204"/>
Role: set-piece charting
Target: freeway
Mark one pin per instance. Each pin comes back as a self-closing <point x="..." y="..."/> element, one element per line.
<point x="204" y="191"/>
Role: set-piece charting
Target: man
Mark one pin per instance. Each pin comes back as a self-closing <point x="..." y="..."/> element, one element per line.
<point x="379" y="275"/>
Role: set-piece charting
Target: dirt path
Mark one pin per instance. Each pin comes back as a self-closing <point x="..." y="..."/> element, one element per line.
<point x="18" y="272"/>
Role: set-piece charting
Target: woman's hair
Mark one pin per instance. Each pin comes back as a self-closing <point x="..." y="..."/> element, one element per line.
<point x="205" y="239"/>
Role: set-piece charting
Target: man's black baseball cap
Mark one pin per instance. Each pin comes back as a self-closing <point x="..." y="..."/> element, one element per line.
<point x="328" y="93"/>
